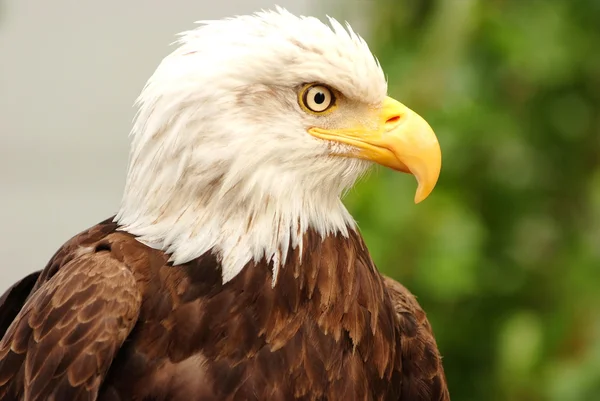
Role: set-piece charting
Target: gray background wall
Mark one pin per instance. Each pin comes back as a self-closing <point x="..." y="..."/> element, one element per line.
<point x="69" y="73"/>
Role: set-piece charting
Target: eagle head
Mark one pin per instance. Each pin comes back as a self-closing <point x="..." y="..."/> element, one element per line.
<point x="248" y="134"/>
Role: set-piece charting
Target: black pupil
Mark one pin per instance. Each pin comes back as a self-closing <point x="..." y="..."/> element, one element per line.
<point x="319" y="98"/>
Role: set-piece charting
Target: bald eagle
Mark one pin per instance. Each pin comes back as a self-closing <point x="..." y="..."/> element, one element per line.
<point x="232" y="270"/>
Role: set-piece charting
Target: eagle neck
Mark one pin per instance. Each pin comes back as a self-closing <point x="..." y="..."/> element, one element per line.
<point x="239" y="229"/>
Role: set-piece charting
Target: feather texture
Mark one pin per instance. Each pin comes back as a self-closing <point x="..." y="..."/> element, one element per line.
<point x="111" y="319"/>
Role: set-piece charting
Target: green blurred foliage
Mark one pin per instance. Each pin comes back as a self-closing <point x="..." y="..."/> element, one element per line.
<point x="505" y="254"/>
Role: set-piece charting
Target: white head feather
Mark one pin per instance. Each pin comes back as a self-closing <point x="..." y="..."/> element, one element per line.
<point x="221" y="159"/>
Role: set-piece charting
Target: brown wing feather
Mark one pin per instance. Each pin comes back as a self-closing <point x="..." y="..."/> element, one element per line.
<point x="423" y="377"/>
<point x="62" y="342"/>
<point x="13" y="299"/>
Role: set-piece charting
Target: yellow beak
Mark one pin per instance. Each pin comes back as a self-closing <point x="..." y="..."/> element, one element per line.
<point x="401" y="140"/>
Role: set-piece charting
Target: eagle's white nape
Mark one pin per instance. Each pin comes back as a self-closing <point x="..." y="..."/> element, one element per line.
<point x="221" y="159"/>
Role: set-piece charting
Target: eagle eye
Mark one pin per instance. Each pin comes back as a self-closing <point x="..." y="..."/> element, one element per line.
<point x="316" y="98"/>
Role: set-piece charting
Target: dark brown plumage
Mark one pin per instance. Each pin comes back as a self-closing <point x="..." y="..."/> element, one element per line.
<point x="110" y="318"/>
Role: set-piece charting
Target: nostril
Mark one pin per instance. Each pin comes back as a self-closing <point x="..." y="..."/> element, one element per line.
<point x="392" y="121"/>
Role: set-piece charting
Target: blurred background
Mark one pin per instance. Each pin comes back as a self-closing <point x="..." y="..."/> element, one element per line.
<point x="504" y="256"/>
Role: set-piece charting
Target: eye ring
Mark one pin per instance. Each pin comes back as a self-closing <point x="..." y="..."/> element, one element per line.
<point x="317" y="98"/>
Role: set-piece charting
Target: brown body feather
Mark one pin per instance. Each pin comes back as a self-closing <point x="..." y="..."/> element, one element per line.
<point x="111" y="319"/>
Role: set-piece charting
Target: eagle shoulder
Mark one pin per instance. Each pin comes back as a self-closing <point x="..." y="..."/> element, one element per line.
<point x="62" y="341"/>
<point x="423" y="375"/>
